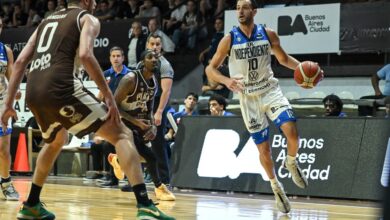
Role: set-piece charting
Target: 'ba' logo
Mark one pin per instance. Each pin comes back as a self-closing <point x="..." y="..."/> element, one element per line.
<point x="286" y="26"/>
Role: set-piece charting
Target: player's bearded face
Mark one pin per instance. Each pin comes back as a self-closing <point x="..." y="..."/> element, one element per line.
<point x="244" y="11"/>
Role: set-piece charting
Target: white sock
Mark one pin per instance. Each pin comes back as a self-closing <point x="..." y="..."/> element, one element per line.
<point x="290" y="159"/>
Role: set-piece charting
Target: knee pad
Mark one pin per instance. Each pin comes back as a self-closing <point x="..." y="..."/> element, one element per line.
<point x="260" y="136"/>
<point x="283" y="117"/>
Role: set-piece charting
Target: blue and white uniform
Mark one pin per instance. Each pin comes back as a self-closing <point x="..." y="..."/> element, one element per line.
<point x="3" y="84"/>
<point x="250" y="60"/>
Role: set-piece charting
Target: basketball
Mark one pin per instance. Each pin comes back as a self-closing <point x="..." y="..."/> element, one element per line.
<point x="308" y="74"/>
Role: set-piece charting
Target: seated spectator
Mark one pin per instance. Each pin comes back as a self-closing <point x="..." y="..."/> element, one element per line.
<point x="33" y="18"/>
<point x="136" y="46"/>
<point x="19" y="18"/>
<point x="129" y="10"/>
<point x="6" y="14"/>
<point x="176" y="17"/>
<point x="191" y="27"/>
<point x="105" y="11"/>
<point x="167" y="44"/>
<point x="333" y="106"/>
<point x="382" y="74"/>
<point x="51" y="7"/>
<point x="61" y="4"/>
<point x="190" y="103"/>
<point x="148" y="10"/>
<point x="206" y="55"/>
<point x="217" y="105"/>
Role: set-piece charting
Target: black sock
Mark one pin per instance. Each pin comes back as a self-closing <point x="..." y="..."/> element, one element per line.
<point x="6" y="180"/>
<point x="33" y="197"/>
<point x="141" y="194"/>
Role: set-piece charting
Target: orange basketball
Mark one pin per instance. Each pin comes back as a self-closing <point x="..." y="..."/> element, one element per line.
<point x="308" y="74"/>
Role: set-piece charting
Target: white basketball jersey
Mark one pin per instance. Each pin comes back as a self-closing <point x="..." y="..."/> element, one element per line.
<point x="250" y="59"/>
<point x="3" y="70"/>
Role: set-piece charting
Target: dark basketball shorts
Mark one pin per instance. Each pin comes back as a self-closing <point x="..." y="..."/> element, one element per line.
<point x="79" y="113"/>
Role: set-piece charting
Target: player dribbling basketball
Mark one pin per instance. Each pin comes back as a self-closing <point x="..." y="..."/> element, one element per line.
<point x="249" y="47"/>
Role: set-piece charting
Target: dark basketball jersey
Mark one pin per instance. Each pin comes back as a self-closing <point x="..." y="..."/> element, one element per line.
<point x="54" y="94"/>
<point x="54" y="66"/>
<point x="139" y="102"/>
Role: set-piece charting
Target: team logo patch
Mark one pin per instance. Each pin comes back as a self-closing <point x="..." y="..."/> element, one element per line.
<point x="69" y="111"/>
<point x="254" y="124"/>
<point x="253" y="75"/>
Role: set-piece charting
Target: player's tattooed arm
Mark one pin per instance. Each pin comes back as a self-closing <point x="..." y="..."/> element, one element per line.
<point x="126" y="86"/>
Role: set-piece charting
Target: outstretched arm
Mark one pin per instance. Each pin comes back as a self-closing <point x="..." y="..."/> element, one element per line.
<point x="214" y="75"/>
<point x="283" y="58"/>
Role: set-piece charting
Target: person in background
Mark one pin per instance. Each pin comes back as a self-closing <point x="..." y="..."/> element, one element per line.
<point x="167" y="44"/>
<point x="205" y="56"/>
<point x="165" y="81"/>
<point x="176" y="17"/>
<point x="190" y="28"/>
<point x="382" y="74"/>
<point x="217" y="105"/>
<point x="190" y="103"/>
<point x="136" y="45"/>
<point x="148" y="10"/>
<point x="333" y="106"/>
<point x="6" y="62"/>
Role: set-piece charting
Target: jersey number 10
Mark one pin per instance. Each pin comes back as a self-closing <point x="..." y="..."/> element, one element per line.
<point x="252" y="64"/>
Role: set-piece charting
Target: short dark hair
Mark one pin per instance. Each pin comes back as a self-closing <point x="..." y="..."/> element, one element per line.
<point x="145" y="53"/>
<point x="220" y="99"/>
<point x="117" y="48"/>
<point x="253" y="3"/>
<point x="335" y="99"/>
<point x="193" y="94"/>
<point x="154" y="35"/>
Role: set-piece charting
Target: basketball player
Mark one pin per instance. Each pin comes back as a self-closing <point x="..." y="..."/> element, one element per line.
<point x="249" y="47"/>
<point x="6" y="62"/>
<point x="60" y="103"/>
<point x="135" y="97"/>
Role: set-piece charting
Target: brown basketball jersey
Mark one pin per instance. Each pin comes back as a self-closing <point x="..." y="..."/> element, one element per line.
<point x="138" y="103"/>
<point x="55" y="60"/>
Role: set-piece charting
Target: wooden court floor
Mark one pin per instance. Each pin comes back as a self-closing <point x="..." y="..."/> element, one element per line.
<point x="73" y="199"/>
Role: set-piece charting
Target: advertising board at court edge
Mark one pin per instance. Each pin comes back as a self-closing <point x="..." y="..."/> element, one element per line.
<point x="230" y="163"/>
<point x="301" y="29"/>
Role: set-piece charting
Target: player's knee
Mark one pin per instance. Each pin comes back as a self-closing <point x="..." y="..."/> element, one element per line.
<point x="284" y="117"/>
<point x="260" y="136"/>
